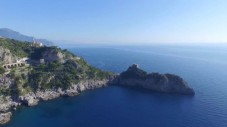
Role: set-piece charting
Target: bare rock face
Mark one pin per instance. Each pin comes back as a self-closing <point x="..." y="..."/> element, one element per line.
<point x="6" y="56"/>
<point x="91" y="84"/>
<point x="32" y="99"/>
<point x="29" y="99"/>
<point x="5" y="104"/>
<point x="47" y="95"/>
<point x="83" y="85"/>
<point x="53" y="55"/>
<point x="6" y="82"/>
<point x="5" y="117"/>
<point x="167" y="83"/>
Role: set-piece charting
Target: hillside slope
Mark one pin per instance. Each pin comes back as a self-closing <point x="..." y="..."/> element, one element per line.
<point x="11" y="34"/>
<point x="30" y="74"/>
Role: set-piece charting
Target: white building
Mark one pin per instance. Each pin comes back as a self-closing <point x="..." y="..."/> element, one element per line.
<point x="36" y="44"/>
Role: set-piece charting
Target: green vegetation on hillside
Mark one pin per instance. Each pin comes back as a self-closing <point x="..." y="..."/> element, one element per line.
<point x="48" y="75"/>
<point x="20" y="49"/>
<point x="55" y="74"/>
<point x="2" y="70"/>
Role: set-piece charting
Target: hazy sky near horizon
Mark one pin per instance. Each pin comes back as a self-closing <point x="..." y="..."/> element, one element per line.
<point x="118" y="21"/>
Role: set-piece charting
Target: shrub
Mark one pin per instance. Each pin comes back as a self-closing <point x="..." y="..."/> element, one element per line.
<point x="2" y="70"/>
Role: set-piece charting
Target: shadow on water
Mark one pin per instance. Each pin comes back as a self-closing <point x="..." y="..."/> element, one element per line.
<point x="156" y="93"/>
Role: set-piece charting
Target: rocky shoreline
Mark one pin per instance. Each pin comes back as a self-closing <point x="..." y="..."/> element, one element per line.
<point x="32" y="99"/>
<point x="132" y="77"/>
<point x="5" y="117"/>
<point x="51" y="72"/>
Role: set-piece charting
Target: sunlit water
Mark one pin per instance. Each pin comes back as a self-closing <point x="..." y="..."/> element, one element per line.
<point x="203" y="67"/>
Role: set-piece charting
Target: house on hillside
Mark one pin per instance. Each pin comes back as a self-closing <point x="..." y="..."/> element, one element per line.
<point x="36" y="44"/>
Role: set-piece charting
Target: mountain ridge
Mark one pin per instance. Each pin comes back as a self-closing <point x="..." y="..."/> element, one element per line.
<point x="12" y="34"/>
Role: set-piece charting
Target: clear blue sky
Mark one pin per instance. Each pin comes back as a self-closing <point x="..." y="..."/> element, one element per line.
<point x="118" y="21"/>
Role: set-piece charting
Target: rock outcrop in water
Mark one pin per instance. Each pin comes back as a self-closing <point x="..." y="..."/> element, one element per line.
<point x="168" y="83"/>
<point x="5" y="117"/>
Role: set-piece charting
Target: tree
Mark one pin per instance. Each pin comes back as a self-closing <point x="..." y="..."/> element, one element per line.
<point x="2" y="70"/>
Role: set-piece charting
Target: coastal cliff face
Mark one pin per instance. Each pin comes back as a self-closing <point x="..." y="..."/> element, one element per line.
<point x="48" y="73"/>
<point x="169" y="83"/>
<point x="7" y="104"/>
<point x="32" y="98"/>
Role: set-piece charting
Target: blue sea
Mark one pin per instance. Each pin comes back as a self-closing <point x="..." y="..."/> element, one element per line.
<point x="204" y="67"/>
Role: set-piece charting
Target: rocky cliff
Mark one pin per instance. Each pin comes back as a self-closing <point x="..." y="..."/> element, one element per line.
<point x="168" y="83"/>
<point x="49" y="72"/>
<point x="7" y="103"/>
<point x="32" y="98"/>
<point x="6" y="56"/>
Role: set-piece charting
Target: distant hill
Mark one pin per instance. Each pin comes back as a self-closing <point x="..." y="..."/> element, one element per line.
<point x="11" y="34"/>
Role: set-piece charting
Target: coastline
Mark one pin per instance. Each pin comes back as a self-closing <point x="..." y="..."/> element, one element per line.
<point x="33" y="99"/>
<point x="132" y="77"/>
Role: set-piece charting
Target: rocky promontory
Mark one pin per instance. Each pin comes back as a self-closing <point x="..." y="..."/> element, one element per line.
<point x="31" y="73"/>
<point x="168" y="83"/>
